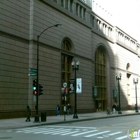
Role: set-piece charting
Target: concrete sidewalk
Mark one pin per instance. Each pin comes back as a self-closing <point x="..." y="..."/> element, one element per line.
<point x="20" y="122"/>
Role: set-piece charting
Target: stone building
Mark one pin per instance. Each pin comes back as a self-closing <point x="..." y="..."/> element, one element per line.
<point x="102" y="49"/>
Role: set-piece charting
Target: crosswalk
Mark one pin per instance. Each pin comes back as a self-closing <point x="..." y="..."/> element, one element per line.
<point x="73" y="131"/>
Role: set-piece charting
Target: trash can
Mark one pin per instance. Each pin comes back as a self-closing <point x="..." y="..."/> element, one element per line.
<point x="43" y="116"/>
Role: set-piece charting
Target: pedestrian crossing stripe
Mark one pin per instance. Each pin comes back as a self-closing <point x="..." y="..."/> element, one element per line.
<point x="84" y="133"/>
<point x="114" y="133"/>
<point x="71" y="131"/>
<point x="123" y="137"/>
<point x="74" y="127"/>
<point x="97" y="134"/>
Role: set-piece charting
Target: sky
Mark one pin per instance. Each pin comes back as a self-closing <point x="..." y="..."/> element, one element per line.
<point x="124" y="14"/>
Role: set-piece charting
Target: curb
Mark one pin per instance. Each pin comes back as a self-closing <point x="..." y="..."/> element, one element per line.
<point x="35" y="124"/>
<point x="86" y="119"/>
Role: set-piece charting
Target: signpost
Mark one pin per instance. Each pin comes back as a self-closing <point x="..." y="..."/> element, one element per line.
<point x="32" y="72"/>
<point x="65" y="98"/>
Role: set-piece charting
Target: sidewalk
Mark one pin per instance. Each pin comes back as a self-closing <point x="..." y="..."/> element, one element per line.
<point x="20" y="122"/>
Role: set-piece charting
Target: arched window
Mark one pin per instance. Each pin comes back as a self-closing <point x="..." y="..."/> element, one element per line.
<point x="66" y="68"/>
<point x="100" y="79"/>
<point x="127" y="66"/>
<point x="66" y="45"/>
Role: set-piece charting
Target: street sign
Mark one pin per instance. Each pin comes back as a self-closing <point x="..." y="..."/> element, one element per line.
<point x="32" y="70"/>
<point x="65" y="85"/>
<point x="32" y="74"/>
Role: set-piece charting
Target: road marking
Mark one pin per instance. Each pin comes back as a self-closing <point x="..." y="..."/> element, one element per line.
<point x="29" y="128"/>
<point x="61" y="131"/>
<point x="84" y="133"/>
<point x="53" y="131"/>
<point x="120" y="138"/>
<point x="69" y="133"/>
<point x="97" y="134"/>
<point x="72" y="131"/>
<point x="41" y="130"/>
<point x="75" y="127"/>
<point x="47" y="130"/>
<point x="112" y="134"/>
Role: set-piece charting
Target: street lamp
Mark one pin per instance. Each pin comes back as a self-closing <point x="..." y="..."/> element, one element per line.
<point x="136" y="82"/>
<point x="38" y="36"/>
<point x="118" y="77"/>
<point x="75" y="67"/>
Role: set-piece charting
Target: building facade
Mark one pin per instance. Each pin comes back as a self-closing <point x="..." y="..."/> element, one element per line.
<point x="102" y="49"/>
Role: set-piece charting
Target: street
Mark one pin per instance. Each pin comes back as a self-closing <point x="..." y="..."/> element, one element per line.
<point x="117" y="128"/>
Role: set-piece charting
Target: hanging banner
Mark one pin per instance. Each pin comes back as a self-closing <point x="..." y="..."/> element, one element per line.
<point x="71" y="89"/>
<point x="95" y="91"/>
<point x="79" y="85"/>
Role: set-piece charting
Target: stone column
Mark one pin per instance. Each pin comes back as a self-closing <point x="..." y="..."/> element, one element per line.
<point x="68" y="5"/>
<point x="59" y="2"/>
<point x="82" y="13"/>
<point x="95" y="23"/>
<point x="74" y="7"/>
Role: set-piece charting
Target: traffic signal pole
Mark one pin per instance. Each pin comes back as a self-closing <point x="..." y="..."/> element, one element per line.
<point x="36" y="107"/>
<point x="38" y="36"/>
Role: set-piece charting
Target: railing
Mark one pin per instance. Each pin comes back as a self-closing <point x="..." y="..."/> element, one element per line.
<point x="125" y="39"/>
<point x="99" y="25"/>
<point x="102" y="27"/>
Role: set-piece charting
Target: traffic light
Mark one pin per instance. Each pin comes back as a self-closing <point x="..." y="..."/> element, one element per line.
<point x="35" y="92"/>
<point x="35" y="83"/>
<point x="35" y="87"/>
<point x="40" y="89"/>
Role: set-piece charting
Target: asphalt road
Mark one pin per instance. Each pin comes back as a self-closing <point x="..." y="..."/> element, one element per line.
<point x="107" y="129"/>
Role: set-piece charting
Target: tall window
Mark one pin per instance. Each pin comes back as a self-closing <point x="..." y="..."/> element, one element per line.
<point x="100" y="79"/>
<point x="66" y="68"/>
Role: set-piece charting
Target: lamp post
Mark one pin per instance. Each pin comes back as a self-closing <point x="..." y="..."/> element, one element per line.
<point x="118" y="77"/>
<point x="75" y="67"/>
<point x="136" y="82"/>
<point x="38" y="36"/>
